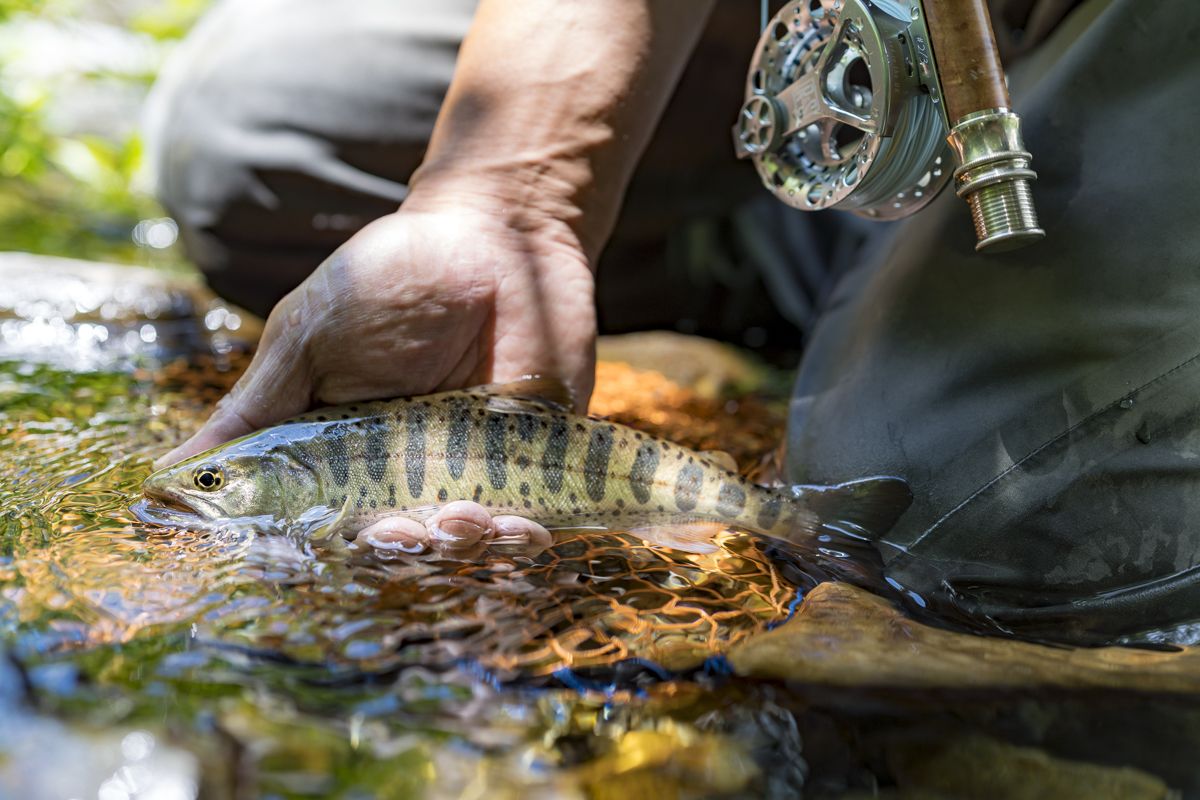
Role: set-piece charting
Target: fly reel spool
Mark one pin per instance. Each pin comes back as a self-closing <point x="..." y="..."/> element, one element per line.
<point x="843" y="109"/>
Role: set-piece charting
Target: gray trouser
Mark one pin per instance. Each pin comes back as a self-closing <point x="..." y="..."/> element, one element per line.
<point x="1043" y="404"/>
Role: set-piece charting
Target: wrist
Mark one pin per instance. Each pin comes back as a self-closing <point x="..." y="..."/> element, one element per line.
<point x="533" y="206"/>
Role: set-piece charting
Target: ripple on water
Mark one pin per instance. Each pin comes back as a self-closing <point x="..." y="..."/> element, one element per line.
<point x="311" y="653"/>
<point x="165" y="662"/>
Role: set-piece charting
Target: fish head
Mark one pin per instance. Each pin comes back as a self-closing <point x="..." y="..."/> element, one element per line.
<point x="225" y="483"/>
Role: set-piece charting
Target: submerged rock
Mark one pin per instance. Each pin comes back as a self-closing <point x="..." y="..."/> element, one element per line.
<point x="980" y="768"/>
<point x="845" y="636"/>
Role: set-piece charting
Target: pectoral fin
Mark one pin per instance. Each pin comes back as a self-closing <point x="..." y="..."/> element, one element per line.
<point x="322" y="523"/>
<point x="534" y="393"/>
<point x="721" y="458"/>
<point x="688" y="534"/>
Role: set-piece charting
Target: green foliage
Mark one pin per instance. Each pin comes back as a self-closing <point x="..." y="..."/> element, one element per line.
<point x="70" y="193"/>
<point x="167" y="21"/>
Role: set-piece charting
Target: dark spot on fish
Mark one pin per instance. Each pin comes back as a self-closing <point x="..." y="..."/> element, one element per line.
<point x="456" y="441"/>
<point x="768" y="512"/>
<point x="339" y="455"/>
<point x="579" y="427"/>
<point x="620" y="503"/>
<point x="322" y="418"/>
<point x="637" y="436"/>
<point x="575" y="510"/>
<point x="641" y="474"/>
<point x="553" y="459"/>
<point x="494" y="453"/>
<point x="478" y="493"/>
<point x="595" y="464"/>
<point x="524" y="489"/>
<point x="687" y="487"/>
<point x="523" y="461"/>
<point x="526" y="427"/>
<point x="442" y="495"/>
<point x="573" y="498"/>
<point x="372" y="504"/>
<point x="731" y="499"/>
<point x="377" y="454"/>
<point x="392" y="495"/>
<point x="679" y="456"/>
<point x="528" y="504"/>
<point x="354" y="408"/>
<point x="414" y="450"/>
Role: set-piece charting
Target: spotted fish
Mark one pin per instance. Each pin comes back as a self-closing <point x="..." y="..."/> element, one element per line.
<point x="514" y="451"/>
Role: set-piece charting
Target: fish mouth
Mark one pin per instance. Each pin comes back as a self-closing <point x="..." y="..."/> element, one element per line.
<point x="168" y="499"/>
<point x="167" y="508"/>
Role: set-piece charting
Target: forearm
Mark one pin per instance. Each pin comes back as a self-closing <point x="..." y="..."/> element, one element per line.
<point x="551" y="105"/>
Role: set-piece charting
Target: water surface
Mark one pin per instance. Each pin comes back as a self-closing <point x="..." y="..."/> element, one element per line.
<point x="236" y="664"/>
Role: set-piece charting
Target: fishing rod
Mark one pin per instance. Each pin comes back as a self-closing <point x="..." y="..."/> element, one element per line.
<point x="875" y="106"/>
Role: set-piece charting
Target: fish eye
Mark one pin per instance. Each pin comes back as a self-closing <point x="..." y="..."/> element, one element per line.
<point x="208" y="478"/>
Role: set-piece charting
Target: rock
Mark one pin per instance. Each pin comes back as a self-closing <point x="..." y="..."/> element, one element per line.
<point x="845" y="636"/>
<point x="85" y="315"/>
<point x="709" y="368"/>
<point x="983" y="768"/>
<point x="745" y="429"/>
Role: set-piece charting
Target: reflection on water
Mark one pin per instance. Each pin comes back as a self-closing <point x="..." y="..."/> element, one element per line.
<point x="322" y="669"/>
<point x="237" y="664"/>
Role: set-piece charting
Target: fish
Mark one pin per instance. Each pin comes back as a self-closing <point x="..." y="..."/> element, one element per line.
<point x="515" y="449"/>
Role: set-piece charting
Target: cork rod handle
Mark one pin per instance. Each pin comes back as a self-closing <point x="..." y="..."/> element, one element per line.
<point x="968" y="60"/>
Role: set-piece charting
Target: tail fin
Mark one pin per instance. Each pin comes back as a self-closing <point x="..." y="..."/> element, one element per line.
<point x="866" y="508"/>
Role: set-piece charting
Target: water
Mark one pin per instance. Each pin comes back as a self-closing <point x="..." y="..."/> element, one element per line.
<point x="141" y="663"/>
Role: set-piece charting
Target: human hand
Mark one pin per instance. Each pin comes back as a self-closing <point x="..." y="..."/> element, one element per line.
<point x="460" y="529"/>
<point x="439" y="295"/>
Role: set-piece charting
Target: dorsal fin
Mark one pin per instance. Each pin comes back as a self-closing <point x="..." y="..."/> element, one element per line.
<point x="531" y="393"/>
<point x="721" y="458"/>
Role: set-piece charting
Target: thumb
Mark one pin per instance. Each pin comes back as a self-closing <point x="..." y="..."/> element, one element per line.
<point x="275" y="386"/>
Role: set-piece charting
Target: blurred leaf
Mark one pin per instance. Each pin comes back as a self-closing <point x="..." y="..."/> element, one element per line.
<point x="169" y="20"/>
<point x="71" y="194"/>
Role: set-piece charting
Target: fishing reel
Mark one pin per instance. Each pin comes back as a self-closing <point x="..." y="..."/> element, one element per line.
<point x="845" y="109"/>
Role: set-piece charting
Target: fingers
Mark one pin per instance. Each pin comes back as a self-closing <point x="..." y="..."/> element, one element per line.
<point x="521" y="533"/>
<point x="459" y="525"/>
<point x="396" y="533"/>
<point x="461" y="529"/>
<point x="223" y="425"/>
<point x="275" y="386"/>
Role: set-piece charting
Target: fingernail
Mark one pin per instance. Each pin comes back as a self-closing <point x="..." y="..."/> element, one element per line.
<point x="457" y="532"/>
<point x="165" y="461"/>
<point x="393" y="541"/>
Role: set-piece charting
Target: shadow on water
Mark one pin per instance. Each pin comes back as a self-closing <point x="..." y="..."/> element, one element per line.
<point x="235" y="664"/>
